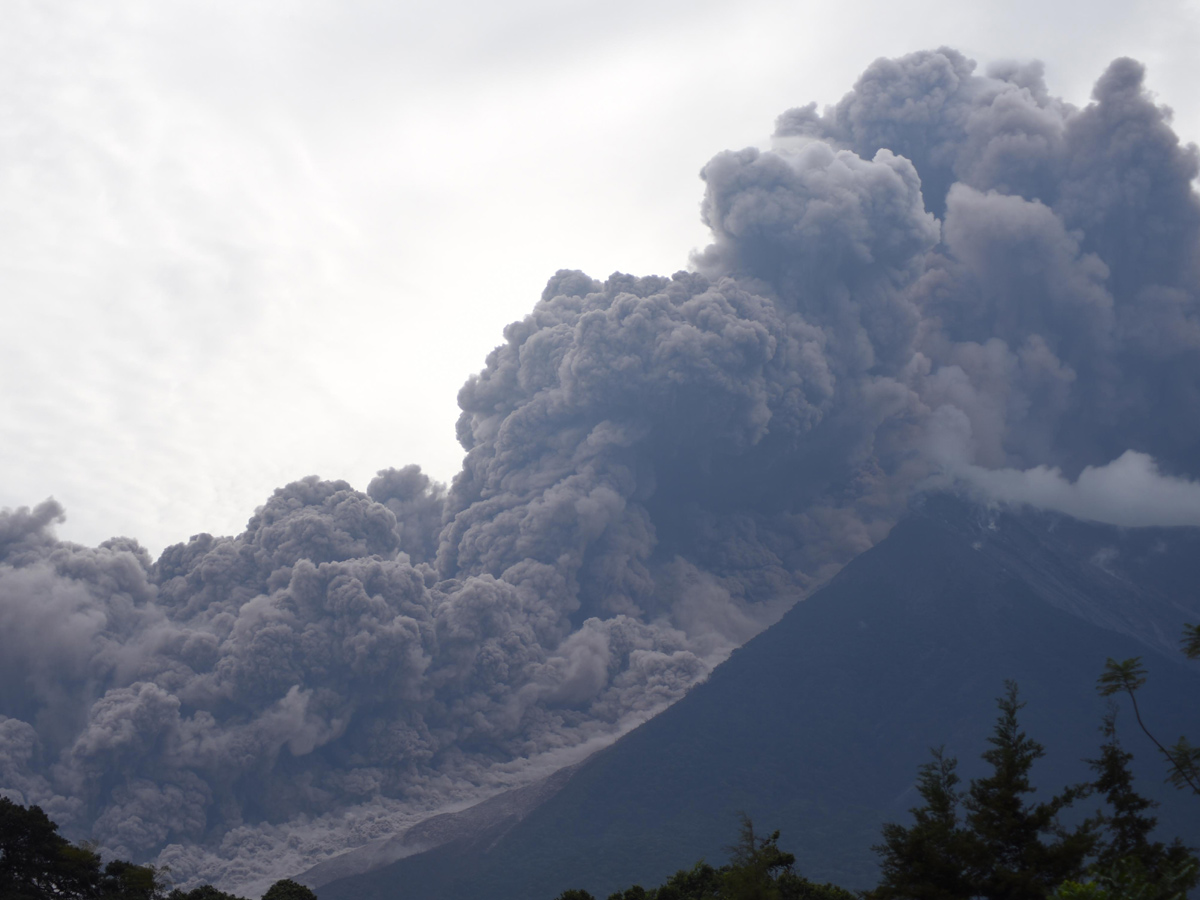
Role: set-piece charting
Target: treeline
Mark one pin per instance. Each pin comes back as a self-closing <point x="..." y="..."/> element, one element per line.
<point x="38" y="863"/>
<point x="989" y="840"/>
<point x="757" y="869"/>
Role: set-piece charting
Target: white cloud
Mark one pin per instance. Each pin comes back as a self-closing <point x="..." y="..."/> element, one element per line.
<point x="1128" y="491"/>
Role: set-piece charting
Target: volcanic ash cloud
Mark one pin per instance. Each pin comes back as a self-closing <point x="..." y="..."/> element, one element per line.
<point x="945" y="275"/>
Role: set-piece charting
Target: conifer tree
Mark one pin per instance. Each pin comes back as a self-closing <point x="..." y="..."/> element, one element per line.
<point x="927" y="860"/>
<point x="1012" y="861"/>
<point x="1128" y="823"/>
<point x="1127" y="861"/>
<point x="1003" y="847"/>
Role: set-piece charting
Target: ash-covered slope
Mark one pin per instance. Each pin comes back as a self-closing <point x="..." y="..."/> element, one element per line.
<point x="817" y="726"/>
<point x="496" y="813"/>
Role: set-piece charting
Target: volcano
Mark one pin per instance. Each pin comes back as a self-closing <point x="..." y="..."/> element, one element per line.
<point x="817" y="726"/>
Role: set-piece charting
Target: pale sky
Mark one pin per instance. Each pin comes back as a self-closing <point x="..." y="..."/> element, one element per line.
<point x="244" y="242"/>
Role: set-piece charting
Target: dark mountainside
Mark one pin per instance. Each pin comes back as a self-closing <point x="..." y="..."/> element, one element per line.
<point x="817" y="726"/>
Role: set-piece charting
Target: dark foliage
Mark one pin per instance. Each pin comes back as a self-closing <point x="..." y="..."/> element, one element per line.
<point x="38" y="863"/>
<point x="928" y="859"/>
<point x="1127" y="676"/>
<point x="1125" y="853"/>
<point x="757" y="870"/>
<point x="288" y="890"/>
<point x="1001" y="846"/>
<point x="1018" y="848"/>
<point x="204" y="892"/>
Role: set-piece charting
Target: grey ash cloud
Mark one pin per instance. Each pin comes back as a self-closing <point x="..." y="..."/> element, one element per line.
<point x="945" y="275"/>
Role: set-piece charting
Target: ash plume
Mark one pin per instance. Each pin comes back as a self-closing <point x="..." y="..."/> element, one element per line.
<point x="947" y="277"/>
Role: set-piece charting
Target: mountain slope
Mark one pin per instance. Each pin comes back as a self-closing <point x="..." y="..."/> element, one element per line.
<point x="818" y="725"/>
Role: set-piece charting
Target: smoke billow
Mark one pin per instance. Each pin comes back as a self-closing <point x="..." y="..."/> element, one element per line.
<point x="946" y="275"/>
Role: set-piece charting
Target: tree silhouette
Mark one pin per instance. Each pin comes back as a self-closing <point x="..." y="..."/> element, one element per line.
<point x="1126" y="676"/>
<point x="1128" y="864"/>
<point x="204" y="892"/>
<point x="37" y="862"/>
<point x="1002" y="847"/>
<point x="288" y="890"/>
<point x="928" y="859"/>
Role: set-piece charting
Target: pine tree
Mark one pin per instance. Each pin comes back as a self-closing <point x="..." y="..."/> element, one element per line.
<point x="1011" y="859"/>
<point x="927" y="860"/>
<point x="1128" y="824"/>
<point x="1003" y="847"/>
<point x="1125" y="854"/>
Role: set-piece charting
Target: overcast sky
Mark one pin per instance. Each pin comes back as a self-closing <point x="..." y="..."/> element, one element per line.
<point x="242" y="242"/>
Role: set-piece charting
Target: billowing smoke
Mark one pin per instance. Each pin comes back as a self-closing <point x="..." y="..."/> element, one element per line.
<point x="947" y="275"/>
